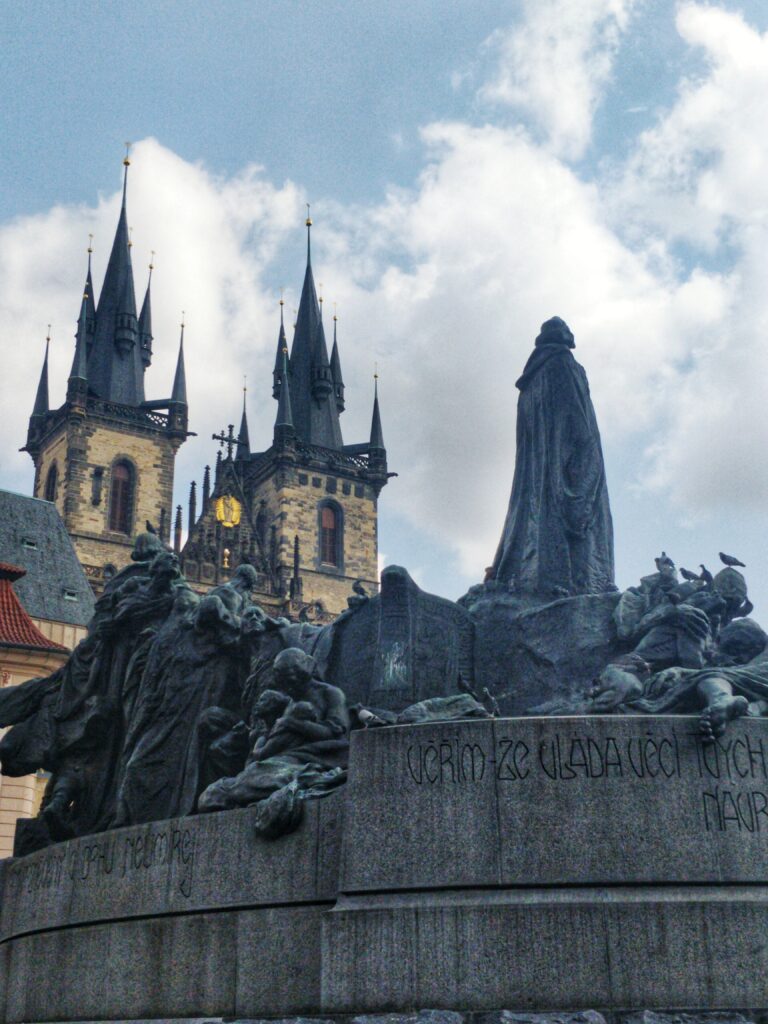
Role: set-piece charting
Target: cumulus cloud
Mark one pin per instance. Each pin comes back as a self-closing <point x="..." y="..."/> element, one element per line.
<point x="552" y="66"/>
<point x="700" y="176"/>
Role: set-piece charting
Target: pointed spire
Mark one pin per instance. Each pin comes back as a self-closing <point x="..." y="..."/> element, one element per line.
<point x="243" y="440"/>
<point x="284" y="428"/>
<point x="322" y="379"/>
<point x="217" y="471"/>
<point x="206" y="488"/>
<point x="79" y="370"/>
<point x="281" y="344"/>
<point x="376" y="443"/>
<point x="90" y="313"/>
<point x="177" y="528"/>
<point x="41" y="406"/>
<point x="179" y="393"/>
<point x="115" y="370"/>
<point x="338" y="383"/>
<point x="145" y="322"/>
<point x="192" y="518"/>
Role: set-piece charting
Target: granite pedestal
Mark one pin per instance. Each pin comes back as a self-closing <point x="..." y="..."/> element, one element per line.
<point x="530" y="864"/>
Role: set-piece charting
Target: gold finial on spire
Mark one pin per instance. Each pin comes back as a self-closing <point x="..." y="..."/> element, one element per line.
<point x="320" y="296"/>
<point x="282" y="292"/>
<point x="183" y="315"/>
<point x="375" y="371"/>
<point x="151" y="259"/>
<point x="130" y="238"/>
<point x="335" y="317"/>
<point x="127" y="157"/>
<point x="308" y="221"/>
<point x="48" y="335"/>
<point x="245" y="383"/>
<point x="90" y="243"/>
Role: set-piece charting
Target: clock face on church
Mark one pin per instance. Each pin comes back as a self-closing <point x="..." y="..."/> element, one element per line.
<point x="228" y="510"/>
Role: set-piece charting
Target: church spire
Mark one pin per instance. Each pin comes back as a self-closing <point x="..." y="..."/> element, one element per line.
<point x="282" y="343"/>
<point x="376" y="444"/>
<point x="145" y="322"/>
<point x="42" y="406"/>
<point x="77" y="385"/>
<point x="338" y="383"/>
<point x="243" y="440"/>
<point x="179" y="393"/>
<point x="315" y="415"/>
<point x="114" y="366"/>
<point x="284" y="426"/>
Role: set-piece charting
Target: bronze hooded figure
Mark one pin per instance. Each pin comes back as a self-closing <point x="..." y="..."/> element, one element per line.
<point x="558" y="534"/>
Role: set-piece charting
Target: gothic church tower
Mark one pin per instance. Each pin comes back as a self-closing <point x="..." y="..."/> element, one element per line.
<point x="106" y="456"/>
<point x="304" y="512"/>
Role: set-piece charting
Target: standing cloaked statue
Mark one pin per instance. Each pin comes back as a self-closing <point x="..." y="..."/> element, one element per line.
<point x="558" y="534"/>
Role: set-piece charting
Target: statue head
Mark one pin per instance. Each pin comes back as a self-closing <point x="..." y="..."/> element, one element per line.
<point x="146" y="546"/>
<point x="270" y="705"/>
<point x="555" y="332"/>
<point x="252" y="621"/>
<point x="293" y="669"/>
<point x="740" y="642"/>
<point x="185" y="601"/>
<point x="165" y="566"/>
<point x="245" y="578"/>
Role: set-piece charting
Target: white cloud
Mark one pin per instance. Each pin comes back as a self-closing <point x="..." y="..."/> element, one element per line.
<point x="553" y="65"/>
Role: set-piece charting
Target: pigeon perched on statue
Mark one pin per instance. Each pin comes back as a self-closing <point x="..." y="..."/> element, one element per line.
<point x="688" y="575"/>
<point x="731" y="560"/>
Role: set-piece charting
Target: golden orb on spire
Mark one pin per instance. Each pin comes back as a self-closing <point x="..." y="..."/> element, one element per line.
<point x="90" y="243"/>
<point x="127" y="157"/>
<point x="308" y="221"/>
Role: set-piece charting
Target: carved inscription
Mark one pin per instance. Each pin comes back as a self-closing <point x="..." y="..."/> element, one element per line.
<point x="733" y="771"/>
<point x="115" y="856"/>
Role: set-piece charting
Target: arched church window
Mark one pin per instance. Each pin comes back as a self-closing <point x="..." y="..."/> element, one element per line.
<point x="52" y="483"/>
<point x="331" y="540"/>
<point x="121" y="498"/>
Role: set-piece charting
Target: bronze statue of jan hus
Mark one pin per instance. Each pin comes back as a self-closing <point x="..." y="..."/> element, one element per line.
<point x="558" y="534"/>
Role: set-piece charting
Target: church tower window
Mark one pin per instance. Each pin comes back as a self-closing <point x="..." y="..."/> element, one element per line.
<point x="330" y="535"/>
<point x="51" y="483"/>
<point x="121" y="498"/>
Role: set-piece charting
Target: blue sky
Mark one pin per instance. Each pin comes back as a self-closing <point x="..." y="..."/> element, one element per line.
<point x="473" y="170"/>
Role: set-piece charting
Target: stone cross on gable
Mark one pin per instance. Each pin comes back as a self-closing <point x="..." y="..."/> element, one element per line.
<point x="227" y="439"/>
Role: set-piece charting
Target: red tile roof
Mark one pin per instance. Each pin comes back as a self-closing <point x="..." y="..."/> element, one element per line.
<point x="16" y="627"/>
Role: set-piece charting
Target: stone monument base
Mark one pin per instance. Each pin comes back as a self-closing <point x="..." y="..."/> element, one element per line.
<point x="573" y="866"/>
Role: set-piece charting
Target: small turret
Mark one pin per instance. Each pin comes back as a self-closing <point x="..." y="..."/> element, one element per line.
<point x="77" y="385"/>
<point x="338" y="383"/>
<point x="42" y="406"/>
<point x="284" y="433"/>
<point x="206" y="489"/>
<point x="192" y="518"/>
<point x="145" y="324"/>
<point x="177" y="407"/>
<point x="177" y="530"/>
<point x="281" y="344"/>
<point x="243" y="440"/>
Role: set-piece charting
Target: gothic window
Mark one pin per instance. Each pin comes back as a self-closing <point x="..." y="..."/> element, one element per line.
<point x="331" y="534"/>
<point x="121" y="498"/>
<point x="51" y="483"/>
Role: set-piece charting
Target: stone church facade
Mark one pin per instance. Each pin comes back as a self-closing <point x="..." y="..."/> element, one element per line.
<point x="105" y="458"/>
<point x="303" y="511"/>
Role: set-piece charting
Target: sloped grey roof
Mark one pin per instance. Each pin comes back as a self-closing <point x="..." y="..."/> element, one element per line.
<point x="52" y="565"/>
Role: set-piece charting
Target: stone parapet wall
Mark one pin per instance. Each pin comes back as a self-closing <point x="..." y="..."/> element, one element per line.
<point x="600" y="870"/>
